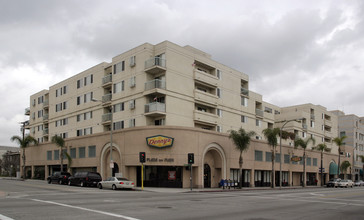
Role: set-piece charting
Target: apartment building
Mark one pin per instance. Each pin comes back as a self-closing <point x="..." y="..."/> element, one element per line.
<point x="167" y="92"/>
<point x="352" y="127"/>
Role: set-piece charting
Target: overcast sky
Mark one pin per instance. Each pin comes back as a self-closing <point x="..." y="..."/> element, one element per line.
<point x="294" y="52"/>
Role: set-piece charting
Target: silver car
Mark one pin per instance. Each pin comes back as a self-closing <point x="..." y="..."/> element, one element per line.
<point x="346" y="183"/>
<point x="116" y="183"/>
<point x="359" y="183"/>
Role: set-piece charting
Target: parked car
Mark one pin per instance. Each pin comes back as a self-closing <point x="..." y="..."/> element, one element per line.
<point x="346" y="183"/>
<point x="59" y="177"/>
<point x="85" y="179"/>
<point x="359" y="183"/>
<point x="333" y="182"/>
<point x="116" y="183"/>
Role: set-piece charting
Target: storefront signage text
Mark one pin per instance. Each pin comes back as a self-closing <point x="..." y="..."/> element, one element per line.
<point x="296" y="159"/>
<point x="159" y="141"/>
<point x="154" y="159"/>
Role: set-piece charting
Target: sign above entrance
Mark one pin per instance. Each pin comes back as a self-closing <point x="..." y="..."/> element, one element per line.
<point x="159" y="141"/>
<point x="296" y="159"/>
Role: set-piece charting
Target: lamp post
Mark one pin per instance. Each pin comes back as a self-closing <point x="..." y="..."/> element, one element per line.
<point x="280" y="147"/>
<point x="111" y="129"/>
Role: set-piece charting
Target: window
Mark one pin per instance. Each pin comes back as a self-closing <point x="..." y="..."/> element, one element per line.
<point x="303" y="134"/>
<point x="244" y="119"/>
<point x="118" y="87"/>
<point x="49" y="155"/>
<point x="73" y="153"/>
<point x="219" y="128"/>
<point x="218" y="92"/>
<point x="201" y="109"/>
<point x="119" y="107"/>
<point x="88" y="97"/>
<point x="78" y="100"/>
<point x="132" y="123"/>
<point x="244" y="101"/>
<point x="79" y="83"/>
<point x="40" y="99"/>
<point x="314" y="162"/>
<point x="92" y="151"/>
<point x="278" y="158"/>
<point x="218" y="74"/>
<point x="308" y="161"/>
<point x="219" y="112"/>
<point x="132" y="104"/>
<point x="132" y="81"/>
<point x="132" y="61"/>
<point x="268" y="110"/>
<point x="286" y="158"/>
<point x="312" y="124"/>
<point x="88" y="80"/>
<point x="160" y="121"/>
<point x="81" y="152"/>
<point x="87" y="131"/>
<point x="40" y="113"/>
<point x="65" y="105"/>
<point x="56" y="154"/>
<point x="79" y="132"/>
<point x="268" y="156"/>
<point x="258" y="155"/>
<point x="258" y="122"/>
<point x="87" y="115"/>
<point x="119" y="67"/>
<point x="118" y="125"/>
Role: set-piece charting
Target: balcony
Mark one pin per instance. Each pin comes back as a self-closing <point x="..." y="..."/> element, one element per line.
<point x="155" y="84"/>
<point x="155" y="109"/>
<point x="155" y="65"/>
<point x="244" y="91"/>
<point x="45" y="117"/>
<point x="106" y="118"/>
<point x="205" y="118"/>
<point x="312" y="117"/>
<point x="45" y="132"/>
<point x="205" y="98"/>
<point x="46" y="104"/>
<point x="107" y="81"/>
<point x="259" y="113"/>
<point x="304" y="126"/>
<point x="106" y="99"/>
<point x="205" y="78"/>
<point x="27" y="111"/>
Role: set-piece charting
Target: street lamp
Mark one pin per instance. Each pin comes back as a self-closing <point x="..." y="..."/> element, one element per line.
<point x="111" y="128"/>
<point x="280" y="147"/>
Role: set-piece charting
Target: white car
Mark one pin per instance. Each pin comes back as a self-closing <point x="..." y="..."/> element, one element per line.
<point x="116" y="183"/>
<point x="346" y="183"/>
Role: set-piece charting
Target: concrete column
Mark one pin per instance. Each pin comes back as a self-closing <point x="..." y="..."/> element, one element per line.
<point x="290" y="178"/>
<point x="32" y="175"/>
<point x="252" y="174"/>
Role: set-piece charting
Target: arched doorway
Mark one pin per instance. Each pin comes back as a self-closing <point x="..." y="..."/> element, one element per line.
<point x="213" y="166"/>
<point x="115" y="169"/>
<point x="105" y="169"/>
<point x="207" y="176"/>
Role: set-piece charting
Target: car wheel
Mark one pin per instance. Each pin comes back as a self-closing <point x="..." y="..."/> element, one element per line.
<point x="82" y="184"/>
<point x="114" y="187"/>
<point x="49" y="181"/>
<point x="100" y="186"/>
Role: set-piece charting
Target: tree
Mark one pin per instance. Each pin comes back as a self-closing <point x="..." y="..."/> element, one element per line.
<point x="241" y="140"/>
<point x="59" y="141"/>
<point x="322" y="148"/>
<point x="303" y="144"/>
<point x="24" y="142"/>
<point x="344" y="166"/>
<point x="339" y="141"/>
<point x="271" y="136"/>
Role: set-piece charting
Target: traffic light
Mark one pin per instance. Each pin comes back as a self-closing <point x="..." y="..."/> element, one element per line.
<point x="191" y="158"/>
<point x="142" y="157"/>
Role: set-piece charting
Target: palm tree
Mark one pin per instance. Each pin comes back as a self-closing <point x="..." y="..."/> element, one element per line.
<point x="59" y="141"/>
<point x="339" y="141"/>
<point x="24" y="142"/>
<point x="241" y="140"/>
<point x="322" y="148"/>
<point x="303" y="144"/>
<point x="271" y="135"/>
<point x="344" y="166"/>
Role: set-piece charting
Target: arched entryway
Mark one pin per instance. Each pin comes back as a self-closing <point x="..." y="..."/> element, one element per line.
<point x="105" y="169"/>
<point x="213" y="165"/>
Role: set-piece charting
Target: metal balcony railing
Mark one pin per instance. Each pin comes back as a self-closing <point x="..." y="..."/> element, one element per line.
<point x="155" y="84"/>
<point x="155" y="107"/>
<point x="155" y="61"/>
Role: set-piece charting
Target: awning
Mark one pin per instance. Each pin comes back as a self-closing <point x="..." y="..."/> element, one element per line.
<point x="333" y="168"/>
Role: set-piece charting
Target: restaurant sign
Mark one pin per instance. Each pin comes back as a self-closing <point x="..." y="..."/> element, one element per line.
<point x="159" y="141"/>
<point x="296" y="159"/>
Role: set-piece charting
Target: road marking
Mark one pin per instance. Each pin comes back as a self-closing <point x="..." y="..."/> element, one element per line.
<point x="85" y="209"/>
<point x="3" y="217"/>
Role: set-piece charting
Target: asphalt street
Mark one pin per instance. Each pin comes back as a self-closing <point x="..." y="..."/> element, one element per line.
<point x="39" y="200"/>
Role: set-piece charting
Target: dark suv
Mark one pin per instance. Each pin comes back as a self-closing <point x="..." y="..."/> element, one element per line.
<point x="59" y="177"/>
<point x="85" y="179"/>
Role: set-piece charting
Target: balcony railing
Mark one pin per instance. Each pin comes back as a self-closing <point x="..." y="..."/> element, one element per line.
<point x="45" y="117"/>
<point x="259" y="112"/>
<point x="155" y="84"/>
<point x="27" y="111"/>
<point x="45" y="131"/>
<point x="155" y="65"/>
<point x="106" y="98"/>
<point x="107" y="79"/>
<point x="106" y="117"/>
<point x="244" y="91"/>
<point x="155" y="107"/>
<point x="46" y="104"/>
